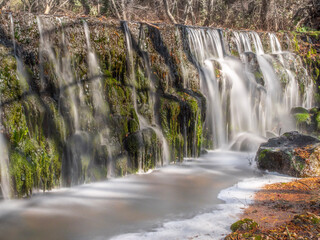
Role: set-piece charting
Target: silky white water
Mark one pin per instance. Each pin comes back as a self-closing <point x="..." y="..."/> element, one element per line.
<point x="200" y="197"/>
<point x="61" y="64"/>
<point x="250" y="94"/>
<point x="4" y="164"/>
<point x="101" y="110"/>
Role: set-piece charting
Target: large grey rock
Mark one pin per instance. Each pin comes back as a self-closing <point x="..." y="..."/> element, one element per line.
<point x="293" y="153"/>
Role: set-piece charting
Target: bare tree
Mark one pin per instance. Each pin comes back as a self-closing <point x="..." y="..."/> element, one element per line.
<point x="3" y="3"/>
<point x="51" y="4"/>
<point x="115" y="8"/>
<point x="167" y="9"/>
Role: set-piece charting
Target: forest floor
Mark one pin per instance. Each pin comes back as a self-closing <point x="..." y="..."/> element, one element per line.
<point x="282" y="211"/>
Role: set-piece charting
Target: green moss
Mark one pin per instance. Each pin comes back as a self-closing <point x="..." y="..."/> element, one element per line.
<point x="21" y="171"/>
<point x="245" y="224"/>
<point x="318" y="121"/>
<point x="262" y="154"/>
<point x="169" y="116"/>
<point x="302" y="118"/>
<point x="34" y="160"/>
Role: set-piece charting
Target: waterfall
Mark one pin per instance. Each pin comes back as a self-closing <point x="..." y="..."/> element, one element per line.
<point x="94" y="75"/>
<point x="245" y="94"/>
<point x="61" y="64"/>
<point x="4" y="168"/>
<point x="291" y="92"/>
<point x="99" y="103"/>
<point x="224" y="84"/>
<point x="144" y="124"/>
<point x="69" y="91"/>
<point x="21" y="72"/>
<point x="4" y="163"/>
<point x="203" y="50"/>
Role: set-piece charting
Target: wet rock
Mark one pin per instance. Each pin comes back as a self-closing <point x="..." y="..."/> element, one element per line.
<point x="293" y="153"/>
<point x="296" y="110"/>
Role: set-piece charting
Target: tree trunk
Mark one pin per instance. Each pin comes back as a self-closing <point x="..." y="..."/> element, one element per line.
<point x="115" y="9"/>
<point x="166" y="6"/>
<point x="263" y="12"/>
<point x="124" y="12"/>
<point x="188" y="10"/>
<point x="209" y="12"/>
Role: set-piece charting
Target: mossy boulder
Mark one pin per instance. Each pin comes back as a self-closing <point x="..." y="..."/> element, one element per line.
<point x="296" y="110"/>
<point x="245" y="224"/>
<point x="307" y="121"/>
<point x="293" y="153"/>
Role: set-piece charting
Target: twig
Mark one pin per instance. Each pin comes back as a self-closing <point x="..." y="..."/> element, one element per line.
<point x="288" y="232"/>
<point x="304" y="184"/>
<point x="152" y="25"/>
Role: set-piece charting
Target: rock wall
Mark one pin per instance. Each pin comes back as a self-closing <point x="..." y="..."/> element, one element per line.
<point x="58" y="134"/>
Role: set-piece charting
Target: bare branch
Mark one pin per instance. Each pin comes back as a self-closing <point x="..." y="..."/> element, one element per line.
<point x="166" y="6"/>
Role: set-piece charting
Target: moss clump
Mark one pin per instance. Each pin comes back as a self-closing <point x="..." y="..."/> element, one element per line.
<point x="245" y="224"/>
<point x="318" y="121"/>
<point x="262" y="155"/>
<point x="302" y="118"/>
<point x="169" y="116"/>
<point x="22" y="172"/>
<point x="34" y="159"/>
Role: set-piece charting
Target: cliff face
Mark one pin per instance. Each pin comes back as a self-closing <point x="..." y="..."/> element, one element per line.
<point x="70" y="120"/>
<point x="88" y="99"/>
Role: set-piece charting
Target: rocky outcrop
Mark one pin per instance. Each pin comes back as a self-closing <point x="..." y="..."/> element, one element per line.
<point x="293" y="154"/>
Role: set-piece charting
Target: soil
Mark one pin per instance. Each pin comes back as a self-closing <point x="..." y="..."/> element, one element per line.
<point x="285" y="211"/>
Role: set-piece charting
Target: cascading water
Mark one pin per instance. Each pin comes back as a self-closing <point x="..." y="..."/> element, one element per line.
<point x="61" y="64"/>
<point x="224" y="84"/>
<point x="4" y="164"/>
<point x="244" y="96"/>
<point x="142" y="121"/>
<point x="99" y="103"/>
<point x="94" y="73"/>
<point x="209" y="84"/>
<point x="21" y="72"/>
<point x="291" y="92"/>
<point x="293" y="71"/>
<point x="68" y="102"/>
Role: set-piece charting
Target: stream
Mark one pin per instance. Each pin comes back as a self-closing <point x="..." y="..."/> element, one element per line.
<point x="174" y="202"/>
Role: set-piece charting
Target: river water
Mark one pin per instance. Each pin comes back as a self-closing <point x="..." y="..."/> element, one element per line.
<point x="175" y="202"/>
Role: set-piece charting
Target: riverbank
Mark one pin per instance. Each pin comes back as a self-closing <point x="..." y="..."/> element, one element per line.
<point x="282" y="211"/>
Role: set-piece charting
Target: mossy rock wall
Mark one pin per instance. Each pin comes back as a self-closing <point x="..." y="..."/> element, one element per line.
<point x="67" y="123"/>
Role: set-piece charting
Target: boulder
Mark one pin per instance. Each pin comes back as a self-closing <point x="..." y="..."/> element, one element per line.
<point x="307" y="121"/>
<point x="293" y="154"/>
